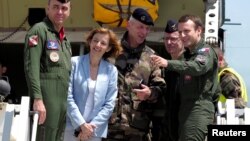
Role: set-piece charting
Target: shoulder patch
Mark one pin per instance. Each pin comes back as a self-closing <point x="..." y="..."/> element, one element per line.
<point x="33" y="40"/>
<point x="204" y="50"/>
<point x="201" y="59"/>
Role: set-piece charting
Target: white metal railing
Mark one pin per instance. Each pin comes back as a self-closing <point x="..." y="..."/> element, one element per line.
<point x="228" y="114"/>
<point x="15" y="120"/>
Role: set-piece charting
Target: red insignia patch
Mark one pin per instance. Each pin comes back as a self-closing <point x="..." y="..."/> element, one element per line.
<point x="187" y="77"/>
<point x="204" y="50"/>
<point x="33" y="40"/>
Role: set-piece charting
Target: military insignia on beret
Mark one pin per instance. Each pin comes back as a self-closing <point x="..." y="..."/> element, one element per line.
<point x="33" y="40"/>
<point x="174" y="27"/>
<point x="171" y="26"/>
<point x="143" y="18"/>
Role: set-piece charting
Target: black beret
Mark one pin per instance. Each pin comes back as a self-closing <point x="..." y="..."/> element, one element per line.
<point x="143" y="16"/>
<point x="64" y="1"/>
<point x="171" y="26"/>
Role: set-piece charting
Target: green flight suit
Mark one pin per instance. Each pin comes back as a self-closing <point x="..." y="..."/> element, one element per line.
<point x="47" y="68"/>
<point x="197" y="85"/>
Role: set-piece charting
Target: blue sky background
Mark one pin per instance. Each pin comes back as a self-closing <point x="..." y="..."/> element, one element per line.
<point x="238" y="39"/>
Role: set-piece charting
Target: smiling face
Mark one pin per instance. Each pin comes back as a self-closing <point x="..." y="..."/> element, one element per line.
<point x="173" y="43"/>
<point x="137" y="32"/>
<point x="190" y="33"/>
<point x="58" y="12"/>
<point x="99" y="44"/>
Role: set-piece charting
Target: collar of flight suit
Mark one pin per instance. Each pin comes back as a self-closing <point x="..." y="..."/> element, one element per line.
<point x="51" y="28"/>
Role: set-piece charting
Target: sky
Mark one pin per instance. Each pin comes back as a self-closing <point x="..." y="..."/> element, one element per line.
<point x="237" y="50"/>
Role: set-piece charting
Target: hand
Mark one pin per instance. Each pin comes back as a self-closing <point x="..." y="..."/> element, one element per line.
<point x="40" y="108"/>
<point x="87" y="130"/>
<point x="143" y="93"/>
<point x="82" y="137"/>
<point x="159" y="61"/>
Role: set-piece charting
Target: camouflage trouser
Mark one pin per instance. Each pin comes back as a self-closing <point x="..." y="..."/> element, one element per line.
<point x="128" y="135"/>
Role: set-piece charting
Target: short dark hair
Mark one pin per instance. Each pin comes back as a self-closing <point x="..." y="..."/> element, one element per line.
<point x="196" y="19"/>
<point x="62" y="1"/>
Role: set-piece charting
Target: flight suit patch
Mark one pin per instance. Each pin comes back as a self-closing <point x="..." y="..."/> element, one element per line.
<point x="187" y="77"/>
<point x="33" y="40"/>
<point x="201" y="59"/>
<point x="204" y="50"/>
<point x="54" y="56"/>
<point x="52" y="45"/>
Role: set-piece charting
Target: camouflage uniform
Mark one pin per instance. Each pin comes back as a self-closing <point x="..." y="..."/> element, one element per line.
<point x="232" y="86"/>
<point x="130" y="120"/>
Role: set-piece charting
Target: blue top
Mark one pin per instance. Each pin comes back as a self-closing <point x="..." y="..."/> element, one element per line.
<point x="104" y="95"/>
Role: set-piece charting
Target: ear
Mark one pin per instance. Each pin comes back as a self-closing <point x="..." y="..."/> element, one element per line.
<point x="200" y="30"/>
<point x="128" y="24"/>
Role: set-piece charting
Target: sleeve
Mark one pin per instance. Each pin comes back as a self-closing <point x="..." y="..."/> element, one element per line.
<point x="34" y="42"/>
<point x="202" y="63"/>
<point x="73" y="111"/>
<point x="157" y="84"/>
<point x="107" y="109"/>
<point x="230" y="86"/>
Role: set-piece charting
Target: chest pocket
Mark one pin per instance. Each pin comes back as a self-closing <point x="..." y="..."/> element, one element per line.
<point x="52" y="56"/>
<point x="53" y="50"/>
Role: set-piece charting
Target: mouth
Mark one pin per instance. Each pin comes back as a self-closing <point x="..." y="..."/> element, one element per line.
<point x="97" y="49"/>
<point x="141" y="37"/>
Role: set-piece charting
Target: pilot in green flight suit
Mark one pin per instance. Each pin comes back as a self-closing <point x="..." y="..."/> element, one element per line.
<point x="198" y="81"/>
<point x="47" y="68"/>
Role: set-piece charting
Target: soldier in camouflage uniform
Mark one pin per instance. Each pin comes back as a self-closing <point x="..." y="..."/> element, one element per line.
<point x="139" y="83"/>
<point x="232" y="84"/>
<point x="198" y="80"/>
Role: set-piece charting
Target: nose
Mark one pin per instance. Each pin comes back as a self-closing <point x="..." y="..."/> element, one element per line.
<point x="98" y="43"/>
<point x="168" y="41"/>
<point x="59" y="10"/>
<point x="182" y="34"/>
